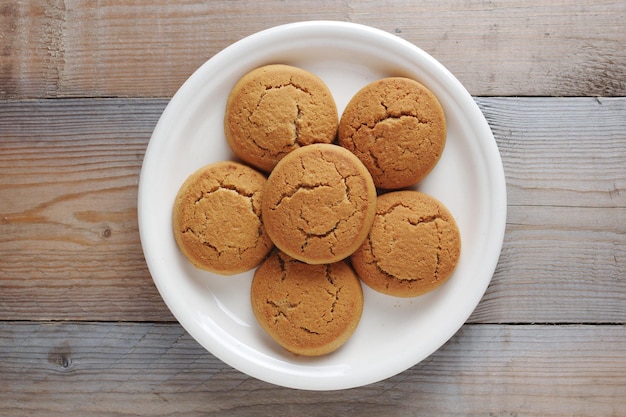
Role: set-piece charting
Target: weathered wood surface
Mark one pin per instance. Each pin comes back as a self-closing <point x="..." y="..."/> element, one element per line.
<point x="565" y="240"/>
<point x="147" y="49"/>
<point x="83" y="330"/>
<point x="78" y="369"/>
<point x="70" y="247"/>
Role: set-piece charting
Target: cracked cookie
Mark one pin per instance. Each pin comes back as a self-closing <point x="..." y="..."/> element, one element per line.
<point x="412" y="248"/>
<point x="275" y="109"/>
<point x="319" y="203"/>
<point x="217" y="218"/>
<point x="397" y="127"/>
<point x="308" y="309"/>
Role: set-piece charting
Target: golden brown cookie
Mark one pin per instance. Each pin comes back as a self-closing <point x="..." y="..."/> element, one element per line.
<point x="217" y="218"/>
<point x="275" y="109"/>
<point x="412" y="248"/>
<point x="319" y="203"/>
<point x="397" y="127"/>
<point x="308" y="309"/>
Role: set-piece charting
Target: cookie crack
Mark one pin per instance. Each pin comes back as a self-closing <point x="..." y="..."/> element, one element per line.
<point x="344" y="177"/>
<point x="350" y="172"/>
<point x="257" y="242"/>
<point x="287" y="196"/>
<point x="236" y="189"/>
<point x="297" y="86"/>
<point x="282" y="308"/>
<point x="204" y="194"/>
<point x="376" y="264"/>
<point x="402" y="112"/>
<point x="335" y="294"/>
<point x="202" y="241"/>
<point x="266" y="149"/>
<point x="332" y="230"/>
<point x="413" y="222"/>
<point x="219" y="252"/>
<point x="329" y="277"/>
<point x="308" y="236"/>
<point x="307" y="330"/>
<point x="425" y="220"/>
<point x="319" y="235"/>
<point x="279" y="86"/>
<point x="222" y="186"/>
<point x="247" y="194"/>
<point x="241" y="192"/>
<point x="422" y="219"/>
<point x="439" y="250"/>
<point x="209" y="245"/>
<point x="296" y="122"/>
<point x="374" y="158"/>
<point x="372" y="125"/>
<point x="267" y="89"/>
<point x="283" y="268"/>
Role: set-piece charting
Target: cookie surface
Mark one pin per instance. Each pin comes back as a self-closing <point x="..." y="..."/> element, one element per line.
<point x="217" y="218"/>
<point x="413" y="246"/>
<point x="319" y="203"/>
<point x="308" y="309"/>
<point x="275" y="109"/>
<point x="397" y="127"/>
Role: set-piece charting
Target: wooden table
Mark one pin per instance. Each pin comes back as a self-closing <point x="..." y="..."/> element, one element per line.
<point x="83" y="329"/>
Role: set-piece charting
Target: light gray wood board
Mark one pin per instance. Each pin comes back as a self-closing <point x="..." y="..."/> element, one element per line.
<point x="148" y="49"/>
<point x="115" y="369"/>
<point x="70" y="247"/>
<point x="565" y="168"/>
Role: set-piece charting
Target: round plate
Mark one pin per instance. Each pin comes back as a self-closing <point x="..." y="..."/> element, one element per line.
<point x="394" y="333"/>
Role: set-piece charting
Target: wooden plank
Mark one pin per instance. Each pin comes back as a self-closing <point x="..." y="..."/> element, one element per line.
<point x="565" y="167"/>
<point x="561" y="265"/>
<point x="76" y="369"/>
<point x="561" y="152"/>
<point x="148" y="48"/>
<point x="70" y="248"/>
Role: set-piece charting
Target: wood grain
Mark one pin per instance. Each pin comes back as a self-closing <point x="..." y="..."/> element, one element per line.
<point x="559" y="265"/>
<point x="76" y="369"/>
<point x="147" y="49"/>
<point x="69" y="172"/>
<point x="561" y="152"/>
<point x="565" y="166"/>
<point x="70" y="247"/>
<point x="83" y="330"/>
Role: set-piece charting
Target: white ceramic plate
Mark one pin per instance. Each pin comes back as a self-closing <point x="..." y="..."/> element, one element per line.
<point x="394" y="334"/>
